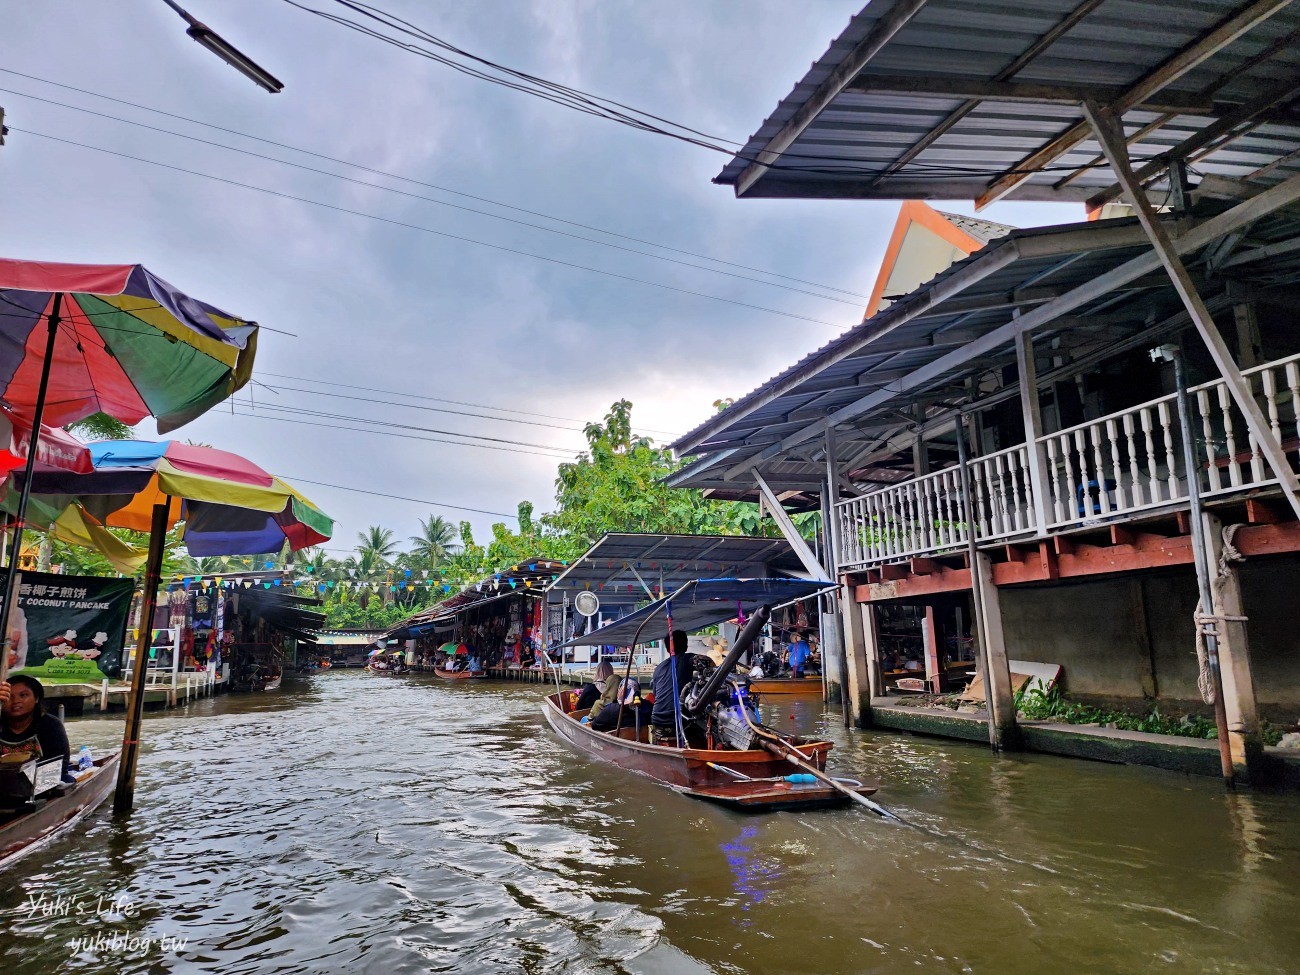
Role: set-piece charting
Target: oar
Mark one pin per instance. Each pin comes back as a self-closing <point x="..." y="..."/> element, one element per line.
<point x="781" y="750"/>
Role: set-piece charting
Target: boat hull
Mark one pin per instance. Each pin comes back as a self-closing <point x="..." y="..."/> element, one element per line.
<point x="29" y="833"/>
<point x="775" y="686"/>
<point x="691" y="772"/>
<point x="456" y="674"/>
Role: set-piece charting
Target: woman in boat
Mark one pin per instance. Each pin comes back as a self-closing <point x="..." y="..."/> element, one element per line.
<point x="24" y="725"/>
<point x="599" y="692"/>
<point x="626" y="710"/>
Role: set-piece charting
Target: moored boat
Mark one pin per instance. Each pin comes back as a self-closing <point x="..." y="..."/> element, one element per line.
<point x="786" y="685"/>
<point x="58" y="814"/>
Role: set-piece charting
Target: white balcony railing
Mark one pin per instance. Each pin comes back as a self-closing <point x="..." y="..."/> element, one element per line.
<point x="1115" y="466"/>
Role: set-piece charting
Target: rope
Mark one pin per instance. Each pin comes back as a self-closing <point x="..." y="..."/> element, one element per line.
<point x="1207" y="624"/>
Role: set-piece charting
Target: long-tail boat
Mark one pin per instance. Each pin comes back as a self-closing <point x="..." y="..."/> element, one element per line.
<point x="721" y="751"/>
<point x="45" y="820"/>
<point x="786" y="685"/>
<point x="465" y="674"/>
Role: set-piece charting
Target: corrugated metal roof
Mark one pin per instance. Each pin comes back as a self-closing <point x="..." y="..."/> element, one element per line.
<point x="929" y="115"/>
<point x="982" y="230"/>
<point x="667" y="562"/>
<point x="972" y="298"/>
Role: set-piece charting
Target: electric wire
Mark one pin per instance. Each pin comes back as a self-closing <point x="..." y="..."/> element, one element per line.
<point x="392" y="425"/>
<point x="615" y="111"/>
<point x="397" y="176"/>
<point x="292" y="478"/>
<point x="389" y="433"/>
<point x="429" y="230"/>
<point x="430" y="199"/>
<point x="438" y="399"/>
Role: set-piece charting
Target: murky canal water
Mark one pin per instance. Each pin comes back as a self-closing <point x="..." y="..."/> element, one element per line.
<point x="358" y="824"/>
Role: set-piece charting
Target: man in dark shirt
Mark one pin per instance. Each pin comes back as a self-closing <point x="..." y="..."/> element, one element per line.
<point x="663" y="718"/>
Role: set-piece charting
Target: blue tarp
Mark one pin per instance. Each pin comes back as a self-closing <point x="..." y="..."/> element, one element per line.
<point x="700" y="603"/>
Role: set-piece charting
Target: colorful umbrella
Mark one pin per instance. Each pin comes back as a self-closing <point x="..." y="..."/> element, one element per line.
<point x="230" y="506"/>
<point x="126" y="343"/>
<point x="55" y="449"/>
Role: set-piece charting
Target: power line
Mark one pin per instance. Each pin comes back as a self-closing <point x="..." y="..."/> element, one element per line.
<point x="387" y="433"/>
<point x="438" y="399"/>
<point x="610" y="110"/>
<point x="395" y="497"/>
<point x="429" y="199"/>
<point x="304" y="411"/>
<point x="427" y="230"/>
<point x="416" y="406"/>
<point x="406" y="179"/>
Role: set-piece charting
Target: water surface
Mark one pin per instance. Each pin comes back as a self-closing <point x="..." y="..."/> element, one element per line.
<point x="360" y="824"/>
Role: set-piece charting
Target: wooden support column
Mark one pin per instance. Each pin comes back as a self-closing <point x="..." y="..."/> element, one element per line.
<point x="997" y="675"/>
<point x="861" y="658"/>
<point x="934" y="672"/>
<point x="1110" y="134"/>
<point x="1244" y="740"/>
<point x="1031" y="410"/>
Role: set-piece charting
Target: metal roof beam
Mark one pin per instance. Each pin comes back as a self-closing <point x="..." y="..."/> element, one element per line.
<point x="1228" y="30"/>
<point x="1205" y="233"/>
<point x="879" y="35"/>
<point x="942" y="86"/>
<point x="1272" y="96"/>
<point x="788" y="530"/>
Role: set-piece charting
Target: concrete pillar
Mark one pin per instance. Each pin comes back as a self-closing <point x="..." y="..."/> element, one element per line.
<point x="1244" y="740"/>
<point x="997" y="679"/>
<point x="859" y="618"/>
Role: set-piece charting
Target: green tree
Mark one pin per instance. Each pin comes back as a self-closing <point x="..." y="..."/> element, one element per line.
<point x="101" y="426"/>
<point x="618" y="485"/>
<point x="377" y="542"/>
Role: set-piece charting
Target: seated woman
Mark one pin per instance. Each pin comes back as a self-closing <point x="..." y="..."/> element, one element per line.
<point x="625" y="711"/>
<point x="599" y="692"/>
<point x="24" y="725"/>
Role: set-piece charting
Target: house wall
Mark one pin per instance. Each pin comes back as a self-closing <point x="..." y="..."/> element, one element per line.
<point x="1129" y="641"/>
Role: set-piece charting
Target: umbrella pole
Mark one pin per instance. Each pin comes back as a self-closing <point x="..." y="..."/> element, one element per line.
<point x="124" y="797"/>
<point x="15" y="549"/>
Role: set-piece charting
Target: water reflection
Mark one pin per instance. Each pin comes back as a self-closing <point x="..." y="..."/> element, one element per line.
<point x="363" y="824"/>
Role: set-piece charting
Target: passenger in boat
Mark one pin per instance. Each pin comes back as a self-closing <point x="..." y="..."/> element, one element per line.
<point x="475" y="665"/>
<point x="24" y="725"/>
<point x="669" y="679"/>
<point x="756" y="671"/>
<point x="624" y="711"/>
<point x="599" y="692"/>
<point x="799" y="653"/>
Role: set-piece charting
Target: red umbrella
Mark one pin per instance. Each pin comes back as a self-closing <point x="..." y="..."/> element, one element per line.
<point x="55" y="449"/>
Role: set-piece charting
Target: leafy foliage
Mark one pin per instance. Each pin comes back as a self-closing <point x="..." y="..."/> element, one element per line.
<point x="1055" y="706"/>
<point x="101" y="426"/>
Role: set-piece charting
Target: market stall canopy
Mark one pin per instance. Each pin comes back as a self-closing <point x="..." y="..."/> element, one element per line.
<point x="129" y="344"/>
<point x="230" y="506"/>
<point x="624" y="569"/>
<point x="981" y="100"/>
<point x="701" y="603"/>
<point x="531" y="576"/>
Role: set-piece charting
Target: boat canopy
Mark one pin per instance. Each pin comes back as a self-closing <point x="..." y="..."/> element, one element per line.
<point x="700" y="603"/>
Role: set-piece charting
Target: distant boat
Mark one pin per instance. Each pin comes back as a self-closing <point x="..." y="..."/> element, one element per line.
<point x="30" y="831"/>
<point x="456" y="674"/>
<point x="786" y="685"/>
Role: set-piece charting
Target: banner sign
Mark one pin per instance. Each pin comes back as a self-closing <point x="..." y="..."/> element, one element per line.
<point x="69" y="629"/>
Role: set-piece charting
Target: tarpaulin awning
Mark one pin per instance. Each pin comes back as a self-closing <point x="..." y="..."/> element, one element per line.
<point x="701" y="603"/>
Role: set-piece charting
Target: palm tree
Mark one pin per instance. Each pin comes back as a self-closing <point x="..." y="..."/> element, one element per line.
<point x="437" y="540"/>
<point x="377" y="542"/>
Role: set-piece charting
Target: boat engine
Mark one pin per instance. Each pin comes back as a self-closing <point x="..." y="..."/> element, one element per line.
<point x="729" y="724"/>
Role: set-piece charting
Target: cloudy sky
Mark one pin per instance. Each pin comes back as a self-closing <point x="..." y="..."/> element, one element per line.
<point x="398" y="309"/>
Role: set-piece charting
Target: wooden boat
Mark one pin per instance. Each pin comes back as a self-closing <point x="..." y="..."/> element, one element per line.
<point x="274" y="683"/>
<point x="786" y="685"/>
<point x="760" y="784"/>
<point x="456" y="674"/>
<point x="57" y="815"/>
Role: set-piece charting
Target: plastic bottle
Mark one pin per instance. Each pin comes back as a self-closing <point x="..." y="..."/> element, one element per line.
<point x="84" y="759"/>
